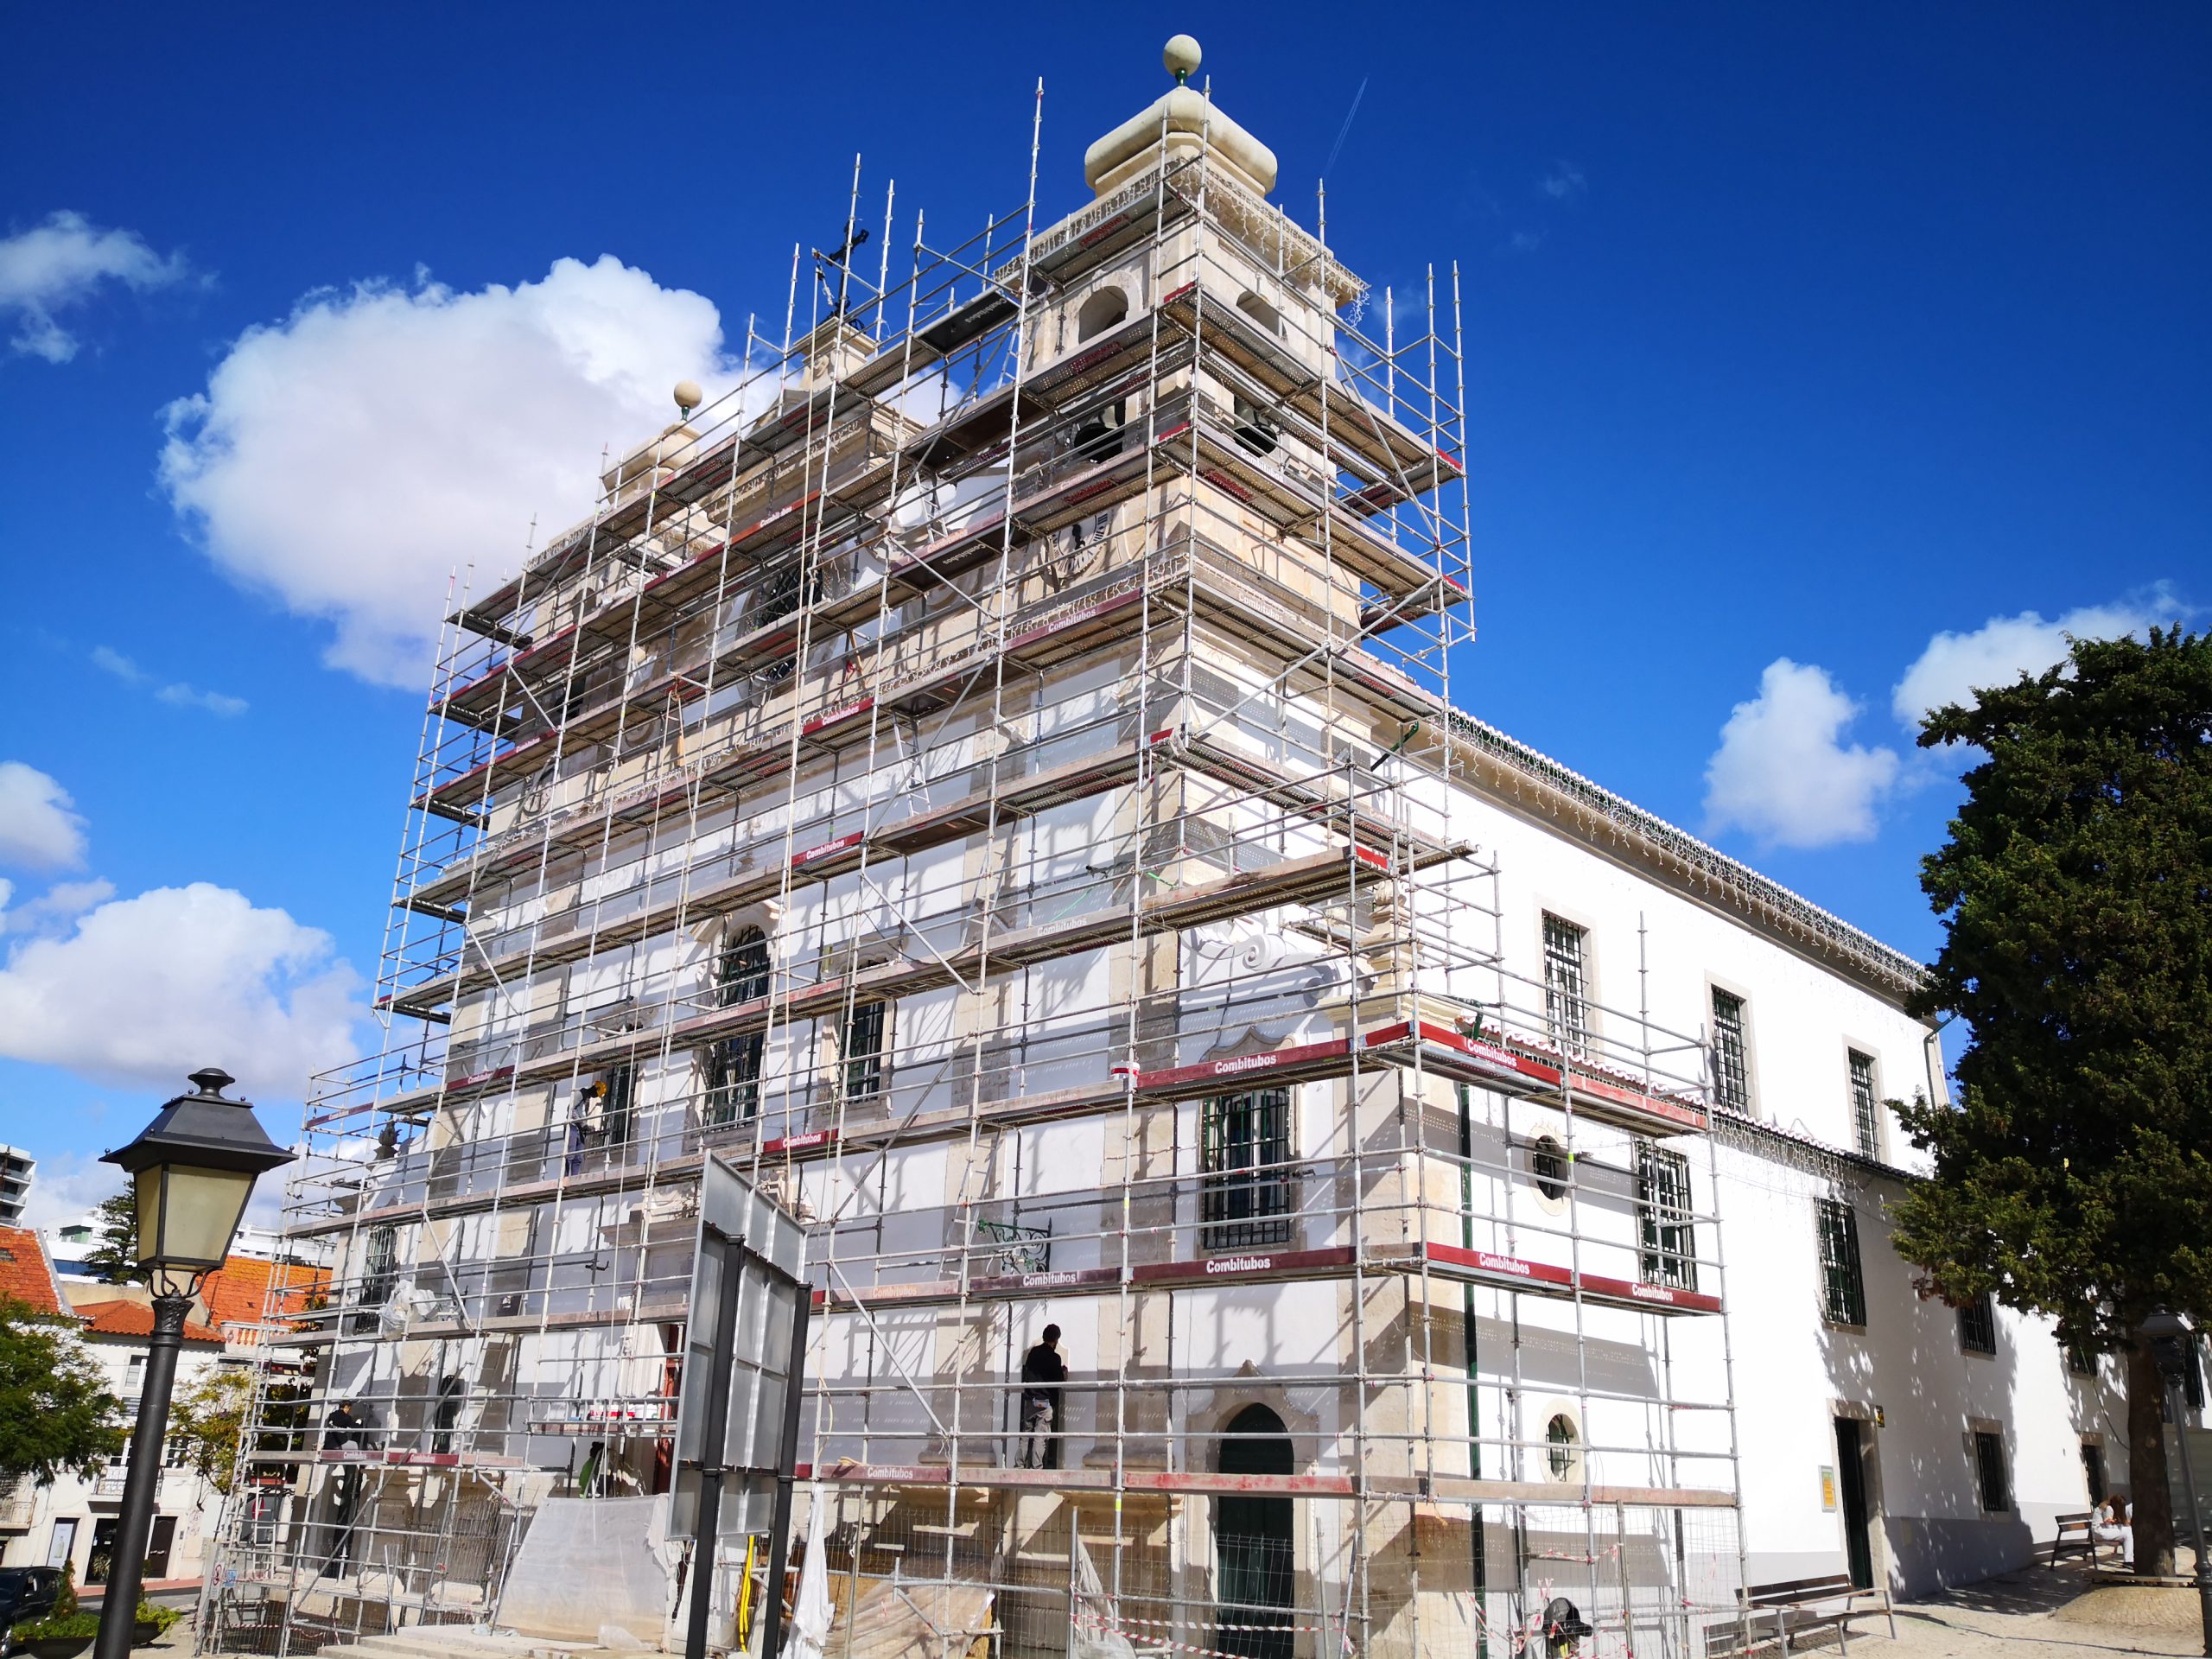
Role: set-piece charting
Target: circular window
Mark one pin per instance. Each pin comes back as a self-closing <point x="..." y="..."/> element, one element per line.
<point x="1561" y="1441"/>
<point x="1548" y="1162"/>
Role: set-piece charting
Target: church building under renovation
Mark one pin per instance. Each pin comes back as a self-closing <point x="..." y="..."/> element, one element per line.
<point x="993" y="776"/>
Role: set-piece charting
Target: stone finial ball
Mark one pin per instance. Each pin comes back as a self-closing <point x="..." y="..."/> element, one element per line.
<point x="687" y="395"/>
<point x="1181" y="58"/>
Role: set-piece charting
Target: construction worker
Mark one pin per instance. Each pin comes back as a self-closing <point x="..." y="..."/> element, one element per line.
<point x="1042" y="1410"/>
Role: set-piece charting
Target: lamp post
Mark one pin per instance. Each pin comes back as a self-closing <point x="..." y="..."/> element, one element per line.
<point x="192" y="1170"/>
<point x="2170" y="1335"/>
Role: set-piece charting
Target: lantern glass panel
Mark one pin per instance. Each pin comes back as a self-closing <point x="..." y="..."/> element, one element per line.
<point x="193" y="1214"/>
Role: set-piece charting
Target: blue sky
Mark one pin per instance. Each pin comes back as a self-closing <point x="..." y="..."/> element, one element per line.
<point x="1799" y="338"/>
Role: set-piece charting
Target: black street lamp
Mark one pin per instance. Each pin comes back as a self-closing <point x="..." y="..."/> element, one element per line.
<point x="2172" y="1337"/>
<point x="192" y="1170"/>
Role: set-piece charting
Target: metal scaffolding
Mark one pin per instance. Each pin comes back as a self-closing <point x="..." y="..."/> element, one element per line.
<point x="993" y="772"/>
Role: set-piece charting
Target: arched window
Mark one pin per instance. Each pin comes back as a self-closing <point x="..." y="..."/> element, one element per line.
<point x="741" y="974"/>
<point x="1099" y="434"/>
<point x="450" y="1395"/>
<point x="1099" y="312"/>
<point x="1262" y="312"/>
<point x="1563" y="1446"/>
<point x="1255" y="1585"/>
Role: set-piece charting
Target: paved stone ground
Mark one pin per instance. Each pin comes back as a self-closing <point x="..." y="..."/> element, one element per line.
<point x="2036" y="1611"/>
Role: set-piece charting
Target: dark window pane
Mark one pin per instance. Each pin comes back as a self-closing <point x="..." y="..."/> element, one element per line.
<point x="1566" y="1008"/>
<point x="1978" y="1326"/>
<point x="734" y="1079"/>
<point x="1866" y="1114"/>
<point x="1663" y="1211"/>
<point x="863" y="1052"/>
<point x="1732" y="1075"/>
<point x="1989" y="1466"/>
<point x="741" y="974"/>
<point x="1842" y="1286"/>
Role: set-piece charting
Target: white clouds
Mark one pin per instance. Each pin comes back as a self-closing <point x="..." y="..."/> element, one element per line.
<point x="57" y="904"/>
<point x="1955" y="666"/>
<point x="68" y="1186"/>
<point x="1564" y="182"/>
<point x="145" y="989"/>
<point x="61" y="264"/>
<point x="1783" y="772"/>
<point x="348" y="458"/>
<point x="37" y="829"/>
<point x="178" y="693"/>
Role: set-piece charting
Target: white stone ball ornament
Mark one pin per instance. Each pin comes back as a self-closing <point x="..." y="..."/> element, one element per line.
<point x="1181" y="57"/>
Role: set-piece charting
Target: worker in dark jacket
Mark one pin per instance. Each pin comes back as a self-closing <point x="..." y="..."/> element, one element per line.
<point x="1042" y="1410"/>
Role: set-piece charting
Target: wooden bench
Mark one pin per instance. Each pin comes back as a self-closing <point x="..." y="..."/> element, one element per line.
<point x="2076" y="1536"/>
<point x="1802" y="1605"/>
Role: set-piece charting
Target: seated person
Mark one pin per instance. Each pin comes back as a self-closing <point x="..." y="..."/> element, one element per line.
<point x="2112" y="1523"/>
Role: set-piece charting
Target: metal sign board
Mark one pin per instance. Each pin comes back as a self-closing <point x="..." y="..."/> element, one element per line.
<point x="732" y="1414"/>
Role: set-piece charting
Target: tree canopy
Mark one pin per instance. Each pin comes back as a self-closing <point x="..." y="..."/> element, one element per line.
<point x="2072" y="1178"/>
<point x="206" y="1419"/>
<point x="114" y="1254"/>
<point x="56" y="1414"/>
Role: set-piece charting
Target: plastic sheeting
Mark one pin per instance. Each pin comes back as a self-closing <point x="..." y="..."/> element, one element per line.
<point x="1095" y="1637"/>
<point x="587" y="1562"/>
<point x="808" y="1634"/>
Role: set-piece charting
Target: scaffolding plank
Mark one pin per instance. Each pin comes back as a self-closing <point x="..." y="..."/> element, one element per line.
<point x="1512" y="1066"/>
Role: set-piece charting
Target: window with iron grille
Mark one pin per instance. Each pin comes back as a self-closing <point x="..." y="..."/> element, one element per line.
<point x="379" y="1276"/>
<point x="2080" y="1360"/>
<point x="1732" y="1071"/>
<point x="734" y="1079"/>
<point x="741" y="974"/>
<point x="1843" y="1287"/>
<point x="1866" y="1114"/>
<point x="380" y="1269"/>
<point x="1989" y="1471"/>
<point x="1566" y="1007"/>
<point x="1978" y="1326"/>
<point x="1245" y="1198"/>
<point x="1663" y="1214"/>
<point x="863" y="1051"/>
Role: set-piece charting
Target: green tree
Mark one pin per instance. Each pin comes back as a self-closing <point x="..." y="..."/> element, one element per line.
<point x="207" y="1418"/>
<point x="114" y="1254"/>
<point x="2072" y="1178"/>
<point x="56" y="1414"/>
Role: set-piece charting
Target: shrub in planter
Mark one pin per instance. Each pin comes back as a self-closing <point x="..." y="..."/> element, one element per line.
<point x="58" y="1636"/>
<point x="64" y="1635"/>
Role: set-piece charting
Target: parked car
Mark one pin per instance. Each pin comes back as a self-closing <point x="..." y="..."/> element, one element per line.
<point x="26" y="1593"/>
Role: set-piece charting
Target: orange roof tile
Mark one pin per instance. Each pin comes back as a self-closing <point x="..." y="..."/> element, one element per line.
<point x="127" y="1318"/>
<point x="26" y="1275"/>
<point x="238" y="1292"/>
